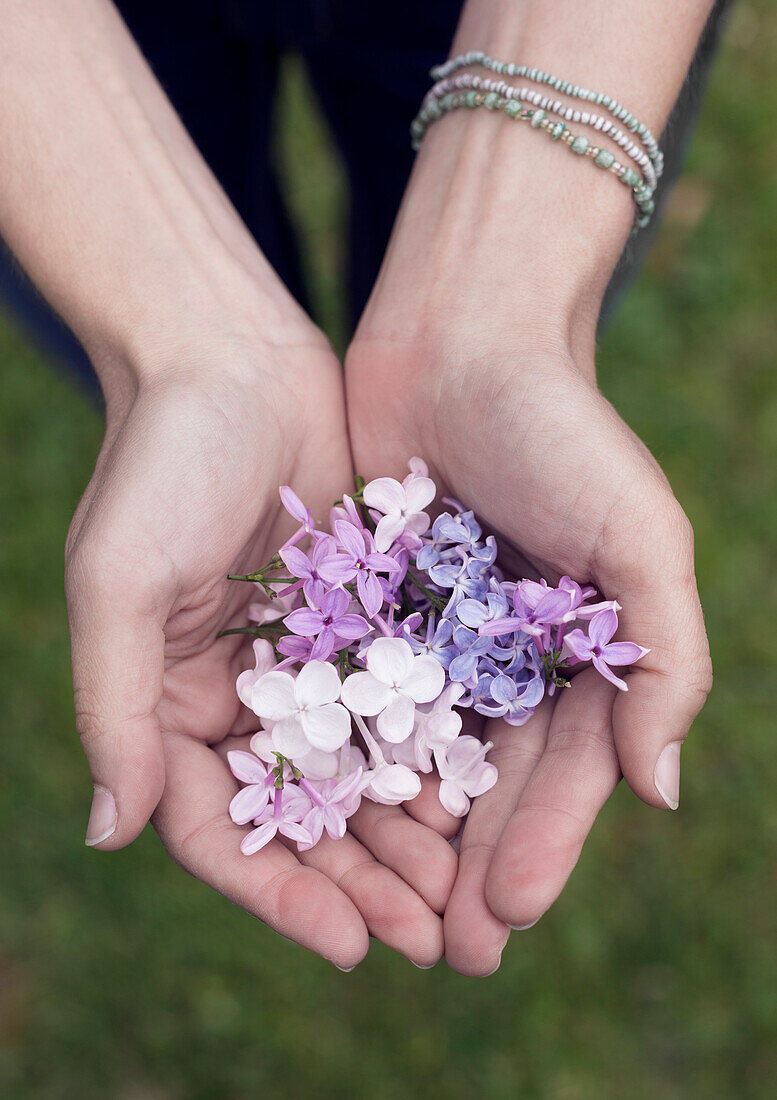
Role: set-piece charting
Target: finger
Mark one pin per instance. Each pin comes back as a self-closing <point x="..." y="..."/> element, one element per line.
<point x="427" y="809"/>
<point x="576" y="775"/>
<point x="417" y="853"/>
<point x="298" y="902"/>
<point x="118" y="666"/>
<point x="474" y="936"/>
<point x="668" y="687"/>
<point x="392" y="911"/>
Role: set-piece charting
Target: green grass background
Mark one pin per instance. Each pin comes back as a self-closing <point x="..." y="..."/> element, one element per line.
<point x="656" y="973"/>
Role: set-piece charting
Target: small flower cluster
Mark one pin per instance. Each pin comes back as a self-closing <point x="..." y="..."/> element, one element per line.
<point x="370" y="639"/>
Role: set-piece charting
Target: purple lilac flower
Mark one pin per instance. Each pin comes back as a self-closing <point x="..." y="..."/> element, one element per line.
<point x="597" y="647"/>
<point x="328" y="624"/>
<point x="303" y="515"/>
<point x="437" y="641"/>
<point x="361" y="560"/>
<point x="324" y="566"/>
<point x="471" y="646"/>
<point x="463" y="577"/>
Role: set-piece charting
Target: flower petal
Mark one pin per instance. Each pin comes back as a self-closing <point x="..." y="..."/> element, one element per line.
<point x="453" y="798"/>
<point x="419" y="492"/>
<point x="304" y="622"/>
<point x="257" y="838"/>
<point x="351" y="627"/>
<point x="602" y="627"/>
<point x="327" y="727"/>
<point x="385" y="494"/>
<point x="370" y="592"/>
<point x="363" y="694"/>
<point x="350" y="539"/>
<point x="297" y="563"/>
<point x="294" y="831"/>
<point x="334" y="821"/>
<point x="273" y="696"/>
<point x="605" y="670"/>
<point x="249" y="803"/>
<point x="388" y="530"/>
<point x="395" y="723"/>
<point x="579" y="644"/>
<point x="246" y="767"/>
<point x="323" y="645"/>
<point x="288" y="737"/>
<point x="425" y="680"/>
<point x="394" y="783"/>
<point x="623" y="653"/>
<point x="317" y="764"/>
<point x="317" y="683"/>
<point x="390" y="660"/>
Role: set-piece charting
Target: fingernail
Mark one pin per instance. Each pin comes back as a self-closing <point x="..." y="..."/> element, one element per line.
<point x="344" y="969"/>
<point x="102" y="818"/>
<point x="667" y="774"/>
<point x="420" y="967"/>
<point x="523" y="927"/>
<point x="499" y="963"/>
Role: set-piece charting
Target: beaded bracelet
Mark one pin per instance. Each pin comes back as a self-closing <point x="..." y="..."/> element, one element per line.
<point x="563" y="87"/>
<point x="469" y="81"/>
<point x="538" y="119"/>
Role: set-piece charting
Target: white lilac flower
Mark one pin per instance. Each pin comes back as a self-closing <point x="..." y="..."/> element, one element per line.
<point x="395" y="681"/>
<point x="305" y="711"/>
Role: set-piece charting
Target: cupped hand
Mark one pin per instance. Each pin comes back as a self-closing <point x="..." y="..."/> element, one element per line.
<point x="515" y="427"/>
<point x="184" y="492"/>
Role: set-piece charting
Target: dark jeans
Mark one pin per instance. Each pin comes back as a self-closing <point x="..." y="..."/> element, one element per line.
<point x="369" y="65"/>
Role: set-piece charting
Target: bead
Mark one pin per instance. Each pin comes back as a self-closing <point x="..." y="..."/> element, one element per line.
<point x="556" y="129"/>
<point x="512" y="107"/>
<point x="579" y="145"/>
<point x="469" y="99"/>
<point x="647" y="207"/>
<point x="490" y="100"/>
<point x="537" y="117"/>
<point x="604" y="158"/>
<point x="630" y="177"/>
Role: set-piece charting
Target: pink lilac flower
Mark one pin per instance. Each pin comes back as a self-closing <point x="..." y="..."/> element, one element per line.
<point x="250" y="801"/>
<point x="264" y="661"/>
<point x="597" y="647"/>
<point x="331" y="802"/>
<point x="395" y="681"/>
<point x="329" y="624"/>
<point x="537" y="607"/>
<point x="437" y="725"/>
<point x="362" y="561"/>
<point x="464" y="773"/>
<point x="284" y="816"/>
<point x="305" y="711"/>
<point x="401" y="507"/>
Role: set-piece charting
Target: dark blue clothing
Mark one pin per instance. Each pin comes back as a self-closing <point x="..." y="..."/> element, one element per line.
<point x="369" y="64"/>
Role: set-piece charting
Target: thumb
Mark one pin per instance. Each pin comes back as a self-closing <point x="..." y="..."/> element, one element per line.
<point x="118" y="667"/>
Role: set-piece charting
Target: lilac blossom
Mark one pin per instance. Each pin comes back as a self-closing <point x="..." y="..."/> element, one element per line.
<point x="597" y="647"/>
<point x="464" y="773"/>
<point x="285" y="815"/>
<point x="323" y="567"/>
<point x="331" y="801"/>
<point x="401" y="507"/>
<point x="362" y="561"/>
<point x="394" y="682"/>
<point x="305" y="710"/>
<point x="328" y="624"/>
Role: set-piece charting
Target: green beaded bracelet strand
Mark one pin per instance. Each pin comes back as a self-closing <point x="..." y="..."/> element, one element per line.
<point x="537" y="119"/>
<point x="563" y="87"/>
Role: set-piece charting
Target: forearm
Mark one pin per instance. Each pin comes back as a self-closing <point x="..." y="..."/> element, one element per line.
<point x="535" y="232"/>
<point x="103" y="197"/>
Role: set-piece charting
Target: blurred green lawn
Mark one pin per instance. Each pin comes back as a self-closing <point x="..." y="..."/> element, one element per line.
<point x="656" y="974"/>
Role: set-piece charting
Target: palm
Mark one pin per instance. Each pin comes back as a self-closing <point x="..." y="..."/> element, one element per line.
<point x="567" y="488"/>
<point x="185" y="493"/>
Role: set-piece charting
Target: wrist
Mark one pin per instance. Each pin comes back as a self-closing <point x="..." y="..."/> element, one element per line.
<point x="503" y="236"/>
